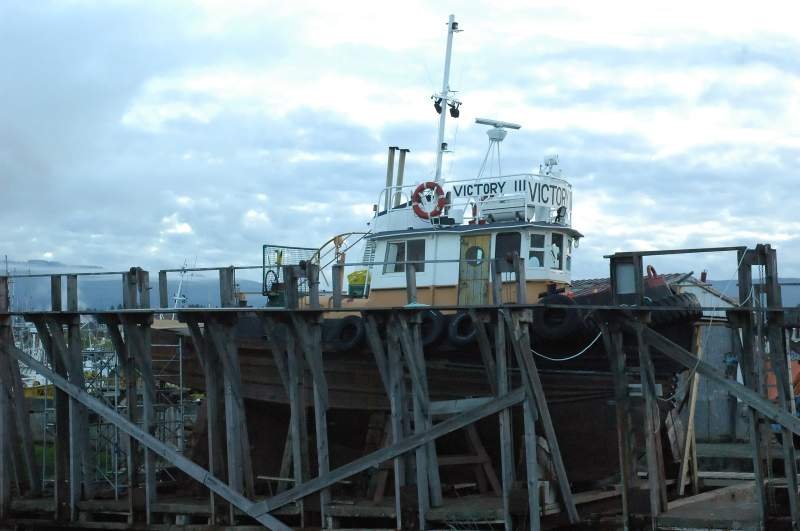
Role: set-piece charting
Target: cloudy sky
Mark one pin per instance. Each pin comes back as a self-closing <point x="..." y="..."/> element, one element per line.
<point x="148" y="133"/>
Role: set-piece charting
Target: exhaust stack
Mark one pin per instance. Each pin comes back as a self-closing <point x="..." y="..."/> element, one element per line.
<point x="389" y="176"/>
<point x="401" y="166"/>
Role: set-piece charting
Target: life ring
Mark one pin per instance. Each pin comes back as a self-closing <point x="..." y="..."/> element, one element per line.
<point x="416" y="200"/>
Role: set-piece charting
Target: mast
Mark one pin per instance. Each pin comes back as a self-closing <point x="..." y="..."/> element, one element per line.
<point x="442" y="100"/>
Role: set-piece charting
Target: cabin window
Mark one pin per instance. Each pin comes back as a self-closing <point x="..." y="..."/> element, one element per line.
<point x="557" y="251"/>
<point x="569" y="254"/>
<point x="397" y="253"/>
<point x="505" y="245"/>
<point x="536" y="251"/>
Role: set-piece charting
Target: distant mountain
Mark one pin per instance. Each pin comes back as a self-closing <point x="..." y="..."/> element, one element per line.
<point x="103" y="293"/>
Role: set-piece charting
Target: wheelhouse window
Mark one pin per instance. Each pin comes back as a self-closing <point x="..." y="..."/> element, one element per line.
<point x="536" y="251"/>
<point x="400" y="252"/>
<point x="505" y="245"/>
<point x="557" y="251"/>
<point x="569" y="254"/>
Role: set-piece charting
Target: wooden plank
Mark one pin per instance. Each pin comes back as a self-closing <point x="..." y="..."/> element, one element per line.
<point x="297" y="419"/>
<point x="20" y="430"/>
<point x="485" y="349"/>
<point x="71" y="422"/>
<point x="689" y="443"/>
<point x="55" y="293"/>
<point x="520" y="342"/>
<point x="745" y="347"/>
<point x="418" y="352"/>
<point x="396" y="401"/>
<point x="652" y="429"/>
<point x="745" y="394"/>
<point x="193" y="470"/>
<point x="531" y="464"/>
<point x="384" y="454"/>
<point x="6" y="451"/>
<point x="420" y="411"/>
<point x="320" y="388"/>
<point x="72" y="293"/>
<point x="504" y="420"/>
<point x="613" y="346"/>
<point x="126" y="364"/>
<point x="138" y="342"/>
<point x="163" y="290"/>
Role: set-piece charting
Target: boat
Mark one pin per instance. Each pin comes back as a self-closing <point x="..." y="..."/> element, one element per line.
<point x="451" y="231"/>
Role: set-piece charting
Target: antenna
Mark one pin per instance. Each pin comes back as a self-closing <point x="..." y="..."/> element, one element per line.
<point x="496" y="135"/>
<point x="443" y="99"/>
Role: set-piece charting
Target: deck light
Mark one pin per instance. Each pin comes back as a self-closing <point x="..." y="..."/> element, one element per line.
<point x="454" y="112"/>
<point x="437" y="104"/>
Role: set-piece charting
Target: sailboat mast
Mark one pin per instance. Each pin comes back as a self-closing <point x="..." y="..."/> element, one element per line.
<point x="452" y="27"/>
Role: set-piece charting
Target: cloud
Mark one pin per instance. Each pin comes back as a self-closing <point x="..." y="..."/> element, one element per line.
<point x="141" y="133"/>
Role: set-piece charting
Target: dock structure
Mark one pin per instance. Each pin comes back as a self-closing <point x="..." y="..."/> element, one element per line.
<point x="229" y="491"/>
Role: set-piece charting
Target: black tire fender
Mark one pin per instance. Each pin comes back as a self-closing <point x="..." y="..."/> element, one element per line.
<point x="432" y="327"/>
<point x="689" y="309"/>
<point x="556" y="323"/>
<point x="461" y="330"/>
<point x="348" y="334"/>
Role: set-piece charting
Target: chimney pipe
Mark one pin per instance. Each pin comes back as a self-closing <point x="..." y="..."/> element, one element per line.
<point x="389" y="176"/>
<point x="703" y="276"/>
<point x="401" y="166"/>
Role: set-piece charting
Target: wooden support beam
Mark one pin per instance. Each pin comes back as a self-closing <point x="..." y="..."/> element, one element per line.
<point x="485" y="349"/>
<point x="6" y="448"/>
<point x="780" y="365"/>
<point x="652" y="428"/>
<point x="310" y="335"/>
<point x="616" y="356"/>
<point x="72" y="293"/>
<point x="497" y="281"/>
<point x="411" y="342"/>
<point x="297" y="421"/>
<point x="137" y="338"/>
<point x="227" y="287"/>
<point x="240" y="470"/>
<point x="531" y="463"/>
<point x="55" y="293"/>
<point x="505" y="425"/>
<point x="411" y="283"/>
<point x="337" y="281"/>
<point x="191" y="469"/>
<point x="390" y="368"/>
<point x="745" y="394"/>
<point x="215" y="428"/>
<point x="19" y="431"/>
<point x="384" y="454"/>
<point x="163" y="290"/>
<point x="127" y="364"/>
<point x="61" y="440"/>
<point x="73" y="425"/>
<point x="521" y="284"/>
<point x="745" y="347"/>
<point x="520" y="343"/>
<point x="689" y="441"/>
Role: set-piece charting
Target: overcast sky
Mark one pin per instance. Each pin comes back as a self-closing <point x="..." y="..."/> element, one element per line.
<point x="147" y="133"/>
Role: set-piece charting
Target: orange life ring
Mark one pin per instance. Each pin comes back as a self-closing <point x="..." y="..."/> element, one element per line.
<point x="416" y="200"/>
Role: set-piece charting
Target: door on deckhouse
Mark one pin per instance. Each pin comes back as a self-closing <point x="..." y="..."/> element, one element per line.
<point x="473" y="270"/>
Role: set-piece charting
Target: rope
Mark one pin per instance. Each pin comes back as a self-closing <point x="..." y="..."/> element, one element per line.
<point x="573" y="356"/>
